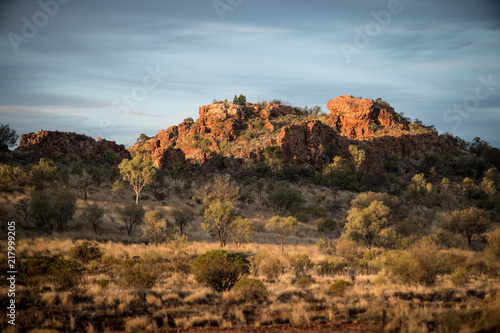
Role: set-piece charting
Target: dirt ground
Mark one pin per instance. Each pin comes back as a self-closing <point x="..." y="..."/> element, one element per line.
<point x="321" y="328"/>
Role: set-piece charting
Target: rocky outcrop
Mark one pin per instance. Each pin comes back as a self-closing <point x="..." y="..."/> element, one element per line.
<point x="217" y="123"/>
<point x="167" y="158"/>
<point x="358" y="118"/>
<point x="309" y="143"/>
<point x="314" y="143"/>
<point x="55" y="144"/>
<point x="373" y="126"/>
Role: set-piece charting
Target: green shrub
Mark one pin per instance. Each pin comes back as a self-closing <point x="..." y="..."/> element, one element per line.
<point x="339" y="287"/>
<point x="304" y="281"/>
<point x="220" y="269"/>
<point x="135" y="278"/>
<point x="330" y="266"/>
<point x="246" y="290"/>
<point x="36" y="272"/>
<point x="422" y="263"/>
<point x="86" y="251"/>
<point x="300" y="263"/>
<point x="460" y="276"/>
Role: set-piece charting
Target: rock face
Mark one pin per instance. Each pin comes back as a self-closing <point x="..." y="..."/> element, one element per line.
<point x="373" y="126"/>
<point x="308" y="143"/>
<point x="55" y="144"/>
<point x="358" y="118"/>
<point x="217" y="123"/>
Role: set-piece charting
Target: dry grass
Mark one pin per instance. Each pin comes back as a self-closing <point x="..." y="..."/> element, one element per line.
<point x="177" y="300"/>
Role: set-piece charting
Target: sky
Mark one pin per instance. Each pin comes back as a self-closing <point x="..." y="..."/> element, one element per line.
<point x="115" y="69"/>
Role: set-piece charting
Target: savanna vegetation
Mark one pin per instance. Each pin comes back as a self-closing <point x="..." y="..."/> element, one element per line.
<point x="120" y="245"/>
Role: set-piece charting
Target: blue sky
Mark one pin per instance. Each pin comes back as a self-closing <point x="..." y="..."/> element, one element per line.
<point x="116" y="69"/>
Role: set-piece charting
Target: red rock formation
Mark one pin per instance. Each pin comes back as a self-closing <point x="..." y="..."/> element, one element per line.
<point x="217" y="123"/>
<point x="372" y="126"/>
<point x="55" y="144"/>
<point x="308" y="143"/>
<point x="358" y="118"/>
<point x="167" y="158"/>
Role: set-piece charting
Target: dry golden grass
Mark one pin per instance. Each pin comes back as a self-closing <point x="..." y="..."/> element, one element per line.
<point x="177" y="300"/>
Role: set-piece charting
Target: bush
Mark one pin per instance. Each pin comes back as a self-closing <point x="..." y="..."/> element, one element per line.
<point x="420" y="264"/>
<point x="304" y="281"/>
<point x="283" y="197"/>
<point x="35" y="272"/>
<point x="300" y="263"/>
<point x="246" y="290"/>
<point x="86" y="251"/>
<point x="220" y="269"/>
<point x="460" y="276"/>
<point x="268" y="266"/>
<point x="339" y="287"/>
<point x="135" y="278"/>
<point x="330" y="266"/>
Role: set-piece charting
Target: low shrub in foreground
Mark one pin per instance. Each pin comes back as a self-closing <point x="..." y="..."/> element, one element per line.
<point x="339" y="287"/>
<point x="247" y="289"/>
<point x="220" y="269"/>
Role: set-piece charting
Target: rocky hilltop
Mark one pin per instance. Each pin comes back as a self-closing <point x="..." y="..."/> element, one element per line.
<point x="55" y="144"/>
<point x="232" y="133"/>
<point x="244" y="131"/>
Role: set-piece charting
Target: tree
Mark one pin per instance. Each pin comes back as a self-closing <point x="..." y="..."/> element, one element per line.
<point x="283" y="226"/>
<point x="358" y="156"/>
<point x="156" y="225"/>
<point x="83" y="184"/>
<point x="219" y="220"/>
<point x="240" y="100"/>
<point x="64" y="206"/>
<point x="93" y="214"/>
<point x="367" y="223"/>
<point x="57" y="206"/>
<point x="469" y="223"/>
<point x="370" y="223"/>
<point x="339" y="174"/>
<point x="8" y="137"/>
<point x="243" y="230"/>
<point x="182" y="218"/>
<point x="43" y="173"/>
<point x="327" y="226"/>
<point x="97" y="174"/>
<point x="40" y="209"/>
<point x="139" y="172"/>
<point x="23" y="208"/>
<point x="142" y="138"/>
<point x="273" y="158"/>
<point x="283" y="197"/>
<point x="132" y="215"/>
<point x="221" y="188"/>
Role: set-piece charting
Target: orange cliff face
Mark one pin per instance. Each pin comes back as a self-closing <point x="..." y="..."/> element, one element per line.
<point x="359" y="118"/>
